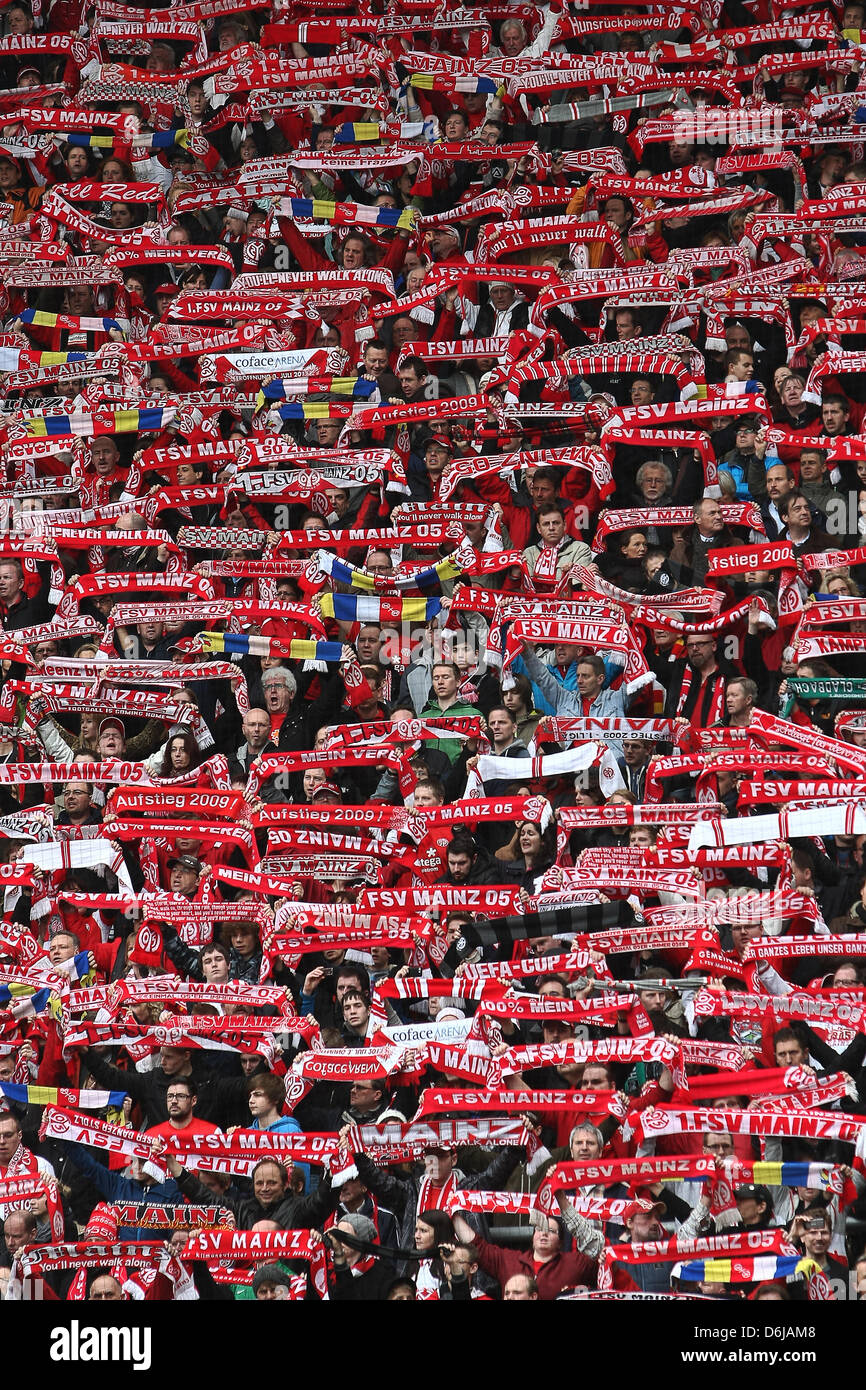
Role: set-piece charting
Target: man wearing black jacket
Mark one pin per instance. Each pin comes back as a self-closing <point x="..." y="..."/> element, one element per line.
<point x="506" y="312"/>
<point x="16" y="609"/>
<point x="708" y="533"/>
<point x="403" y="1196"/>
<point x="358" y="1279"/>
<point x="468" y="863"/>
<point x="697" y="688"/>
<point x="218" y="1096"/>
<point x="295" y="721"/>
<point x="272" y="1200"/>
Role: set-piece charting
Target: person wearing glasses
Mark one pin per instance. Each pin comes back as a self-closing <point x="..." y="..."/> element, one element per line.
<point x="696" y="694"/>
<point x="180" y="1100"/>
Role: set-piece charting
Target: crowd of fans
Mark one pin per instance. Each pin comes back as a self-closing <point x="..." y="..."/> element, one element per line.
<point x="433" y="706"/>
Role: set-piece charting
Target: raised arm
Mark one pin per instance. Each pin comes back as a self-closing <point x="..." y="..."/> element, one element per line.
<point x="543" y="677"/>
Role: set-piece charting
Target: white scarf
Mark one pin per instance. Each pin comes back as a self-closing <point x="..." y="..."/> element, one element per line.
<point x="844" y="819"/>
<point x="578" y="759"/>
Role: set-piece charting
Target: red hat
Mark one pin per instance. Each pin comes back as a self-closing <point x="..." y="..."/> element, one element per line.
<point x="111" y="723"/>
<point x="329" y="788"/>
<point x="102" y="1224"/>
<point x="168" y="288"/>
<point x="442" y="440"/>
<point x="10" y="159"/>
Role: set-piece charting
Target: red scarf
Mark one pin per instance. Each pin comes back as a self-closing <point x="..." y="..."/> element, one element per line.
<point x="796" y="736"/>
<point x="436" y="1197"/>
<point x="544" y="571"/>
<point x="255" y="1246"/>
<point x="22" y="1164"/>
<point x="704" y="713"/>
<point x="15" y="1191"/>
<point x="86" y="1129"/>
<point x="663" y="1120"/>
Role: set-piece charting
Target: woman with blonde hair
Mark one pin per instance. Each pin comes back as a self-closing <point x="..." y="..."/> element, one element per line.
<point x="839" y="582"/>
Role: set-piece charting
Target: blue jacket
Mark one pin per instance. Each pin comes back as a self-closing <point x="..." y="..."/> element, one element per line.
<point x="568" y="681"/>
<point x="287" y="1124"/>
<point x="607" y="704"/>
<point x="116" y="1188"/>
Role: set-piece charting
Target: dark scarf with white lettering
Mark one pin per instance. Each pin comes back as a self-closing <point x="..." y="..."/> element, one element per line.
<point x="506" y="930"/>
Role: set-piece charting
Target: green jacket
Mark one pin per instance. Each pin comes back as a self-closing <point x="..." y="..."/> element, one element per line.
<point x="449" y="746"/>
<point x="244" y="1292"/>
